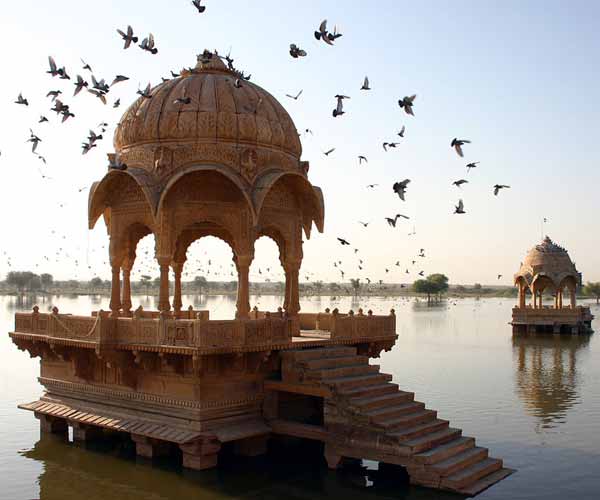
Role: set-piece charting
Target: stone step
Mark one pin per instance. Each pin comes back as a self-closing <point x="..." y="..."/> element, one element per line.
<point x="460" y="461"/>
<point x="430" y="440"/>
<point x="320" y="353"/>
<point x="358" y="380"/>
<point x="407" y="421"/>
<point x="342" y="371"/>
<point x="485" y="482"/>
<point x="416" y="431"/>
<point x="469" y="475"/>
<point x="370" y="402"/>
<point x="375" y="390"/>
<point x="394" y="410"/>
<point x="444" y="451"/>
<point x="316" y="364"/>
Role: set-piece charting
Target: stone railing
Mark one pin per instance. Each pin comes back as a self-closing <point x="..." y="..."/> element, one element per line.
<point x="164" y="330"/>
<point x="550" y="314"/>
<point x="354" y="326"/>
<point x="189" y="313"/>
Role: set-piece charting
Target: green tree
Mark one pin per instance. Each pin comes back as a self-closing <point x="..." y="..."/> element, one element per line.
<point x="477" y="287"/>
<point x="318" y="287"/>
<point x="200" y="283"/>
<point x="425" y="287"/>
<point x="145" y="282"/>
<point x="95" y="283"/>
<point x="20" y="279"/>
<point x="592" y="289"/>
<point x="46" y="280"/>
<point x="440" y="281"/>
<point x="355" y="282"/>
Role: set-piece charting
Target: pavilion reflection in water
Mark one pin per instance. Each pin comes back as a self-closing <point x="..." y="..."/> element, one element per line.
<point x="546" y="375"/>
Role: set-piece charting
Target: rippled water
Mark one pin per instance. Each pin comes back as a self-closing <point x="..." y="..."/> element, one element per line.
<point x="534" y="401"/>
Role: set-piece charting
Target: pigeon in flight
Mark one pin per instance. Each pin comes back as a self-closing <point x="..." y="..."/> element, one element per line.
<point x="79" y="85"/>
<point x="362" y="158"/>
<point x="339" y="109"/>
<point x="128" y="37"/>
<point x="199" y="8"/>
<point x="400" y="188"/>
<point x="471" y="165"/>
<point x="295" y="97"/>
<point x="22" y="100"/>
<point x="296" y="51"/>
<point x="326" y="36"/>
<point x="86" y="66"/>
<point x="498" y="187"/>
<point x="402" y="130"/>
<point x="42" y="119"/>
<point x="390" y="145"/>
<point x="329" y="151"/>
<point x="343" y="241"/>
<point x="54" y="94"/>
<point x="118" y="79"/>
<point x="392" y="222"/>
<point x="457" y="144"/>
<point x="146" y="92"/>
<point x="460" y="208"/>
<point x="148" y="44"/>
<point x="460" y="182"/>
<point x="364" y="224"/>
<point x="34" y="140"/>
<point x="365" y="85"/>
<point x="371" y="186"/>
<point x="407" y="103"/>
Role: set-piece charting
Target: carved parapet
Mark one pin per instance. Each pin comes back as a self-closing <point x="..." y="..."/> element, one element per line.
<point x="359" y="326"/>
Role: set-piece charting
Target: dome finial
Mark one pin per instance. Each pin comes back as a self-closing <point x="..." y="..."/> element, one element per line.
<point x="210" y="61"/>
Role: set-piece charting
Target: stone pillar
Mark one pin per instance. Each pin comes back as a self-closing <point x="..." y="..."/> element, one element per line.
<point x="82" y="432"/>
<point x="560" y="297"/>
<point x="573" y="297"/>
<point x="149" y="448"/>
<point x="243" y="292"/>
<point x="286" y="296"/>
<point x="126" y="300"/>
<point x="201" y="454"/>
<point x="556" y="300"/>
<point x="521" y="295"/>
<point x="163" y="294"/>
<point x="52" y="425"/>
<point x="533" y="297"/>
<point x="115" y="292"/>
<point x="177" y="269"/>
<point x="292" y="272"/>
<point x="333" y="458"/>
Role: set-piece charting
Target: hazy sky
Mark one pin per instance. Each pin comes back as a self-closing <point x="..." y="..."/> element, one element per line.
<point x="518" y="78"/>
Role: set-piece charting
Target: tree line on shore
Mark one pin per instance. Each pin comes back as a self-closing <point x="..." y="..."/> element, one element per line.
<point x="433" y="287"/>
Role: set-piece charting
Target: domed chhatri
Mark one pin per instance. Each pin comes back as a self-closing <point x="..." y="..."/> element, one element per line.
<point x="548" y="266"/>
<point x="225" y="162"/>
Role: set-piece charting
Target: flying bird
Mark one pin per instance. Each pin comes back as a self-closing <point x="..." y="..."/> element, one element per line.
<point x="200" y="8"/>
<point x="99" y="94"/>
<point x="392" y="222"/>
<point x="400" y="188"/>
<point x="364" y="224"/>
<point x="499" y="276"/>
<point x="362" y="158"/>
<point x="117" y="103"/>
<point x="326" y="36"/>
<point x="22" y="100"/>
<point x="460" y="208"/>
<point x="390" y="145"/>
<point x="183" y="100"/>
<point x="339" y="109"/>
<point x="407" y="103"/>
<point x="343" y="241"/>
<point x="460" y="182"/>
<point x="329" y="151"/>
<point x="54" y="94"/>
<point x="402" y="130"/>
<point x="86" y="66"/>
<point x="295" y="97"/>
<point x="148" y="44"/>
<point x="146" y="92"/>
<point x="457" y="144"/>
<point x="365" y="85"/>
<point x="42" y="119"/>
<point x="128" y="37"/>
<point x="54" y="71"/>
<point x="471" y="165"/>
<point x="371" y="186"/>
<point x="118" y="79"/>
<point x="79" y="84"/>
<point x="296" y="51"/>
<point x="34" y="139"/>
<point x="498" y="187"/>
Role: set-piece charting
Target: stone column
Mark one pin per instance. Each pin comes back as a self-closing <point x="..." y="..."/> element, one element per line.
<point x="177" y="269"/>
<point x="521" y="295"/>
<point x="115" y="291"/>
<point x="560" y="297"/>
<point x="286" y="296"/>
<point x="163" y="295"/>
<point x="556" y="300"/>
<point x="573" y="297"/>
<point x="292" y="272"/>
<point x="243" y="292"/>
<point x="533" y="297"/>
<point x="126" y="301"/>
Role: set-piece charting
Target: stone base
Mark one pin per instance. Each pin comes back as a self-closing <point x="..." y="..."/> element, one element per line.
<point x="334" y="459"/>
<point x="52" y="425"/>
<point x="201" y="454"/>
<point x="83" y="433"/>
<point x="149" y="448"/>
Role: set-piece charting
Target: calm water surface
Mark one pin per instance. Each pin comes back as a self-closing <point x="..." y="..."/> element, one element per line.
<point x="535" y="401"/>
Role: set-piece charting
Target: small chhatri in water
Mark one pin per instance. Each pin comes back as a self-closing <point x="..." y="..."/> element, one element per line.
<point x="548" y="266"/>
<point x="211" y="154"/>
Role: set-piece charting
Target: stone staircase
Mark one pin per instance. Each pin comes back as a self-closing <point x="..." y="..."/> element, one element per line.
<point x="368" y="414"/>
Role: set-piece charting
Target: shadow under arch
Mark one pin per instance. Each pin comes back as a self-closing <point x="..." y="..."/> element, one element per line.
<point x="101" y="192"/>
<point x="222" y="170"/>
<point x="310" y="197"/>
<point x="546" y="374"/>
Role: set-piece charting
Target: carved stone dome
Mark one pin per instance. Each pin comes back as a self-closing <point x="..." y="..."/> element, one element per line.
<point x="547" y="259"/>
<point x="208" y="113"/>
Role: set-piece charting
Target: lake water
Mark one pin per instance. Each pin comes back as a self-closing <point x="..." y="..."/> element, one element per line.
<point x="534" y="401"/>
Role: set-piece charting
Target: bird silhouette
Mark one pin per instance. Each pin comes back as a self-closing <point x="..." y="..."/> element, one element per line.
<point x="392" y="221"/>
<point x="498" y="187"/>
<point x="365" y="85"/>
<point x="406" y="103"/>
<point x="460" y="182"/>
<point x="460" y="208"/>
<point x="128" y="37"/>
<point x="400" y="188"/>
<point x="296" y="51"/>
<point x="457" y="144"/>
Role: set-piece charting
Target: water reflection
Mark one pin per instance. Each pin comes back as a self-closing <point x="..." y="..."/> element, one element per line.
<point x="547" y="376"/>
<point x="111" y="470"/>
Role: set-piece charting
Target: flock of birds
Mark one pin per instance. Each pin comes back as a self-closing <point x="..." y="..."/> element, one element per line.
<point x="100" y="88"/>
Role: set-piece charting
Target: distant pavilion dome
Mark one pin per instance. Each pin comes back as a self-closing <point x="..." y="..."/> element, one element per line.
<point x="550" y="262"/>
